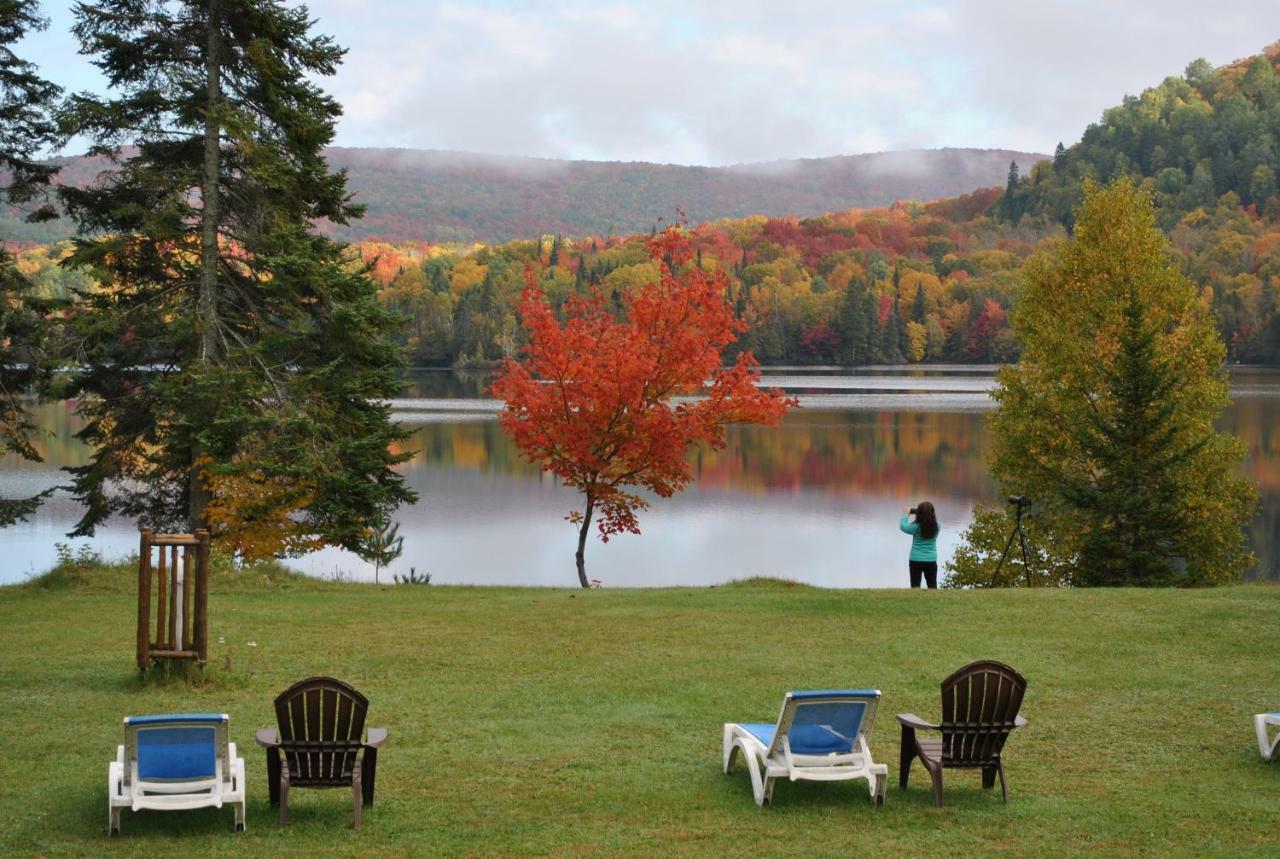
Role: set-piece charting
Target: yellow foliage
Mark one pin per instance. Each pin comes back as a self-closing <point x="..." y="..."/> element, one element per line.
<point x="256" y="513"/>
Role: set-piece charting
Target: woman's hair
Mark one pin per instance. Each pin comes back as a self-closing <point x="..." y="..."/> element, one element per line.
<point x="927" y="520"/>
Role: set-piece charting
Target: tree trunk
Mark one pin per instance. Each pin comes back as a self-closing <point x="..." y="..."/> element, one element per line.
<point x="582" y="543"/>
<point x="207" y="297"/>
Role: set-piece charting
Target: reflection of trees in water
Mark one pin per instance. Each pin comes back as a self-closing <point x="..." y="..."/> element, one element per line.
<point x="895" y="453"/>
<point x="907" y="454"/>
<point x="842" y="452"/>
<point x="1256" y="419"/>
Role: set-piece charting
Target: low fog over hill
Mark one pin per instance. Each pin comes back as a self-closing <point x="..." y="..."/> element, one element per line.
<point x="443" y="196"/>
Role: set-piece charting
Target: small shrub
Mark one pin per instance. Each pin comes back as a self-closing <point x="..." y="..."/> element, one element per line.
<point x="412" y="578"/>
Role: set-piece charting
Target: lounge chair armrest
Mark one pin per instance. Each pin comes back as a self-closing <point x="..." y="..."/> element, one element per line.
<point x="911" y="720"/>
<point x="377" y="736"/>
<point x="1019" y="722"/>
<point x="268" y="738"/>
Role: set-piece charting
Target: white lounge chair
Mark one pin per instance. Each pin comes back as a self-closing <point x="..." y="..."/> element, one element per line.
<point x="1268" y="747"/>
<point x="819" y="736"/>
<point x="174" y="762"/>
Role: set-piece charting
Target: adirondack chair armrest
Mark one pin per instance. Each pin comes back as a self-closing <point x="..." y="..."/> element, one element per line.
<point x="377" y="737"/>
<point x="911" y="720"/>
<point x="268" y="738"/>
<point x="1019" y="722"/>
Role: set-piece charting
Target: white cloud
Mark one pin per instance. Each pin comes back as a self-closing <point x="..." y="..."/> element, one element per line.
<point x="746" y="80"/>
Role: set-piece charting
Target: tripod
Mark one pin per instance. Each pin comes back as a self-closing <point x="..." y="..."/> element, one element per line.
<point x="1020" y="503"/>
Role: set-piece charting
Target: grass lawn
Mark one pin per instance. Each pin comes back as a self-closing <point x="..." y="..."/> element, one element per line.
<point x="555" y="722"/>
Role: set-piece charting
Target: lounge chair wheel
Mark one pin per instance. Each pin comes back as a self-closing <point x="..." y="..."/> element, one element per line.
<point x="239" y="827"/>
<point x="880" y="800"/>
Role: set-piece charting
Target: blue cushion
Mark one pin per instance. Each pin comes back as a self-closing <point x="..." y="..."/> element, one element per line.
<point x="177" y="754"/>
<point x="805" y="739"/>
<point x="762" y="732"/>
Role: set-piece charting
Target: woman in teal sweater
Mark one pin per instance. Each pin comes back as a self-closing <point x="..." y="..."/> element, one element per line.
<point x="924" y="543"/>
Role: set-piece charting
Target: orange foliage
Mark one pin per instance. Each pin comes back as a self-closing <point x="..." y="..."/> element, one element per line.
<point x="594" y="399"/>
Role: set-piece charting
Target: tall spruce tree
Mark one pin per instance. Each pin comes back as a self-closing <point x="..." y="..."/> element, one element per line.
<point x="855" y="343"/>
<point x="26" y="128"/>
<point x="1009" y="203"/>
<point x="234" y="367"/>
<point x="918" y="305"/>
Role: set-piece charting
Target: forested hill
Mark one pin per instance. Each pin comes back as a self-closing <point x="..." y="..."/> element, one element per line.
<point x="436" y="196"/>
<point x="448" y="196"/>
<point x="1209" y="136"/>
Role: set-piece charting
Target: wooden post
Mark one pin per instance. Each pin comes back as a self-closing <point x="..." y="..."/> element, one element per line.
<point x="202" y="596"/>
<point x="162" y="601"/>
<point x="144" y="597"/>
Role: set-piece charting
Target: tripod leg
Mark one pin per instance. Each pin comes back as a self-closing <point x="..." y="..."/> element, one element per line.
<point x="1008" y="545"/>
<point x="1026" y="565"/>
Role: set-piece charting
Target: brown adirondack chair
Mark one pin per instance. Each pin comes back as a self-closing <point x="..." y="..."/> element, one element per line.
<point x="318" y="743"/>
<point x="980" y="705"/>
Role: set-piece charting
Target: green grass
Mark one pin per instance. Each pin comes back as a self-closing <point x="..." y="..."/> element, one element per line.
<point x="553" y="722"/>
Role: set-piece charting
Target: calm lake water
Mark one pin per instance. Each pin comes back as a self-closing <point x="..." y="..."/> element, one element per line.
<point x="816" y="499"/>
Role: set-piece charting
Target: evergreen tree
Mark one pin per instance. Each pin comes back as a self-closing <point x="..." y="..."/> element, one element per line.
<point x="230" y="342"/>
<point x="1059" y="158"/>
<point x="26" y="127"/>
<point x="871" y="314"/>
<point x="917" y="306"/>
<point x="553" y="259"/>
<point x="1009" y="203"/>
<point x="854" y="336"/>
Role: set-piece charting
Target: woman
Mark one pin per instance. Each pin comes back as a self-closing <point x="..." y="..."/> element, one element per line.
<point x="923" y="559"/>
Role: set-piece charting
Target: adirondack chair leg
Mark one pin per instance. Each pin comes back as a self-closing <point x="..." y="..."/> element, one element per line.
<point x="273" y="776"/>
<point x="284" y="795"/>
<point x="936" y="775"/>
<point x="357" y="795"/>
<point x="370" y="771"/>
<point x="906" y="755"/>
<point x="1004" y="788"/>
<point x="988" y="778"/>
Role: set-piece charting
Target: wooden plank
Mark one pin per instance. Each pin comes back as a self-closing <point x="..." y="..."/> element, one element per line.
<point x="187" y="574"/>
<point x="173" y="654"/>
<point x="175" y="540"/>
<point x="144" y="598"/>
<point x="162" y="602"/>
<point x="202" y="596"/>
<point x="175" y="593"/>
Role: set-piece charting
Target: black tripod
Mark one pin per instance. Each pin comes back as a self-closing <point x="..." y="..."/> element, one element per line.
<point x="1019" y="502"/>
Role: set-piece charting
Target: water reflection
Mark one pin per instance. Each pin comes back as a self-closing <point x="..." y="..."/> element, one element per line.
<point x="816" y="499"/>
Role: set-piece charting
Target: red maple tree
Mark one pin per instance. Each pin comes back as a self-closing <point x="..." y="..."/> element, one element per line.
<point x="610" y="401"/>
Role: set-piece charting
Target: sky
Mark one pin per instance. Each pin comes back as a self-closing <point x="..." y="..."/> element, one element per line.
<point x="740" y="81"/>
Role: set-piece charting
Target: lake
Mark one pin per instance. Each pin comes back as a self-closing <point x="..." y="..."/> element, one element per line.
<point x="816" y="499"/>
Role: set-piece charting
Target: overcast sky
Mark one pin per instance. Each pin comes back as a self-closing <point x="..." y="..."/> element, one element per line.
<point x="742" y="80"/>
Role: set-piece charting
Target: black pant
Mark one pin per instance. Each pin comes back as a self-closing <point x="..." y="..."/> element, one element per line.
<point x="930" y="570"/>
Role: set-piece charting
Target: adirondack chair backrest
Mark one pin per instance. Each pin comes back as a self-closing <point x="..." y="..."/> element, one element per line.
<point x="979" y="703"/>
<point x="321" y="723"/>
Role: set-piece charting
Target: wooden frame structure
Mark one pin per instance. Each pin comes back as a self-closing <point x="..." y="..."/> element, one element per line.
<point x="181" y="597"/>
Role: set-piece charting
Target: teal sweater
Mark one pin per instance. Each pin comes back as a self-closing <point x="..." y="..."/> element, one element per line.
<point x="921" y="549"/>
